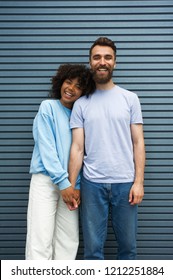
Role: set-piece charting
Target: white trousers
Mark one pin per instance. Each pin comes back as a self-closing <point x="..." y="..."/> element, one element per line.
<point x="52" y="229"/>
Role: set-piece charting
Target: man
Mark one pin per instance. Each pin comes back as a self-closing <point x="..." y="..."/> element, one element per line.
<point x="108" y="140"/>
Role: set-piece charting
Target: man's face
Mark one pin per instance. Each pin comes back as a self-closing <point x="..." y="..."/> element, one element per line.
<point x="102" y="62"/>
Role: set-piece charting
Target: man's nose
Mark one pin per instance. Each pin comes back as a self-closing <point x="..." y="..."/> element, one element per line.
<point x="102" y="61"/>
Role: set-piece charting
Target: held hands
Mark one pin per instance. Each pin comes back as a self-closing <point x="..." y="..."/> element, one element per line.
<point x="71" y="197"/>
<point x="136" y="194"/>
<point x="75" y="201"/>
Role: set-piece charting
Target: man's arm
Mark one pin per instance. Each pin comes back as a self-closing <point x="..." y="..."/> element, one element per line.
<point x="137" y="191"/>
<point x="69" y="195"/>
<point x="76" y="155"/>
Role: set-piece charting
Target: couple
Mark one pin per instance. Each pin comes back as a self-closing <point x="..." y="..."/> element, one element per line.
<point x="108" y="145"/>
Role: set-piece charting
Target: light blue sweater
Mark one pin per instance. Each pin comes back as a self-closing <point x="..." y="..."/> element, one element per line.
<point x="52" y="136"/>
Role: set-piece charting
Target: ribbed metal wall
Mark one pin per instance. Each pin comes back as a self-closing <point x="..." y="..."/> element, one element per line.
<point x="35" y="38"/>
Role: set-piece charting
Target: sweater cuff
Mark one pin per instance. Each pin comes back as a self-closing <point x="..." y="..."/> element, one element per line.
<point x="64" y="184"/>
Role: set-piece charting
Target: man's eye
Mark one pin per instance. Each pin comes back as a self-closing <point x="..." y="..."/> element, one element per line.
<point x="108" y="57"/>
<point x="96" y="57"/>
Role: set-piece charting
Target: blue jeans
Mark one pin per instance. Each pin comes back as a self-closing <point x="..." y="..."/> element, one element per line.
<point x="96" y="200"/>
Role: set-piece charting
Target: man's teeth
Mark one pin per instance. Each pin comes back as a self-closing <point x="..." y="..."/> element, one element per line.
<point x="102" y="69"/>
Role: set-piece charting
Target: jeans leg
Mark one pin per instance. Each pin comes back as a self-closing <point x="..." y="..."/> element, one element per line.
<point x="94" y="218"/>
<point x="124" y="221"/>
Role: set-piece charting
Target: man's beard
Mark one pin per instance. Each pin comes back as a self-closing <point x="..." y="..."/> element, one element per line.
<point x="102" y="80"/>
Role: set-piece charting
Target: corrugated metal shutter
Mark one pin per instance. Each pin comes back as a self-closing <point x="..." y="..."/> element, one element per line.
<point x="37" y="36"/>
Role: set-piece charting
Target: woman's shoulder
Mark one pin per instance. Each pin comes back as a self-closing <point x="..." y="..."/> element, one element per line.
<point x="48" y="105"/>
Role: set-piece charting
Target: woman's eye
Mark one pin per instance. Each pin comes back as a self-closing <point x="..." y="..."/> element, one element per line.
<point x="78" y="86"/>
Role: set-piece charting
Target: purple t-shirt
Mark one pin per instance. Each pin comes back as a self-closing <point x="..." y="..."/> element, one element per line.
<point x="106" y="117"/>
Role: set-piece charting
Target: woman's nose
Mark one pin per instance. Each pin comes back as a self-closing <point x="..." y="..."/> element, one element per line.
<point x="72" y="87"/>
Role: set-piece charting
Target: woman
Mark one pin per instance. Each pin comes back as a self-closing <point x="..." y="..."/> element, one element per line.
<point x="52" y="229"/>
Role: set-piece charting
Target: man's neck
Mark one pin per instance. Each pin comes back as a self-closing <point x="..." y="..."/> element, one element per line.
<point x="106" y="86"/>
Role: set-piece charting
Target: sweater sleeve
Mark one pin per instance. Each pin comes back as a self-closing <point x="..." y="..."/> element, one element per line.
<point x="48" y="152"/>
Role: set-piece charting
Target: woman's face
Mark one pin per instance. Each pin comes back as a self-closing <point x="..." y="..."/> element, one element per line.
<point x="70" y="92"/>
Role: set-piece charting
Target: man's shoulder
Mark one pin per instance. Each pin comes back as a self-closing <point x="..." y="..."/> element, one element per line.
<point x="125" y="91"/>
<point x="82" y="101"/>
<point x="128" y="94"/>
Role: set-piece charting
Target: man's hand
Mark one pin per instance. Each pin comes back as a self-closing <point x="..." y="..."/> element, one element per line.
<point x="71" y="197"/>
<point x="77" y="196"/>
<point x="136" y="194"/>
<point x="72" y="205"/>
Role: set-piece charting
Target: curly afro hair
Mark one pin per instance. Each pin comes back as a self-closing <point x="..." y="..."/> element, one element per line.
<point x="72" y="71"/>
